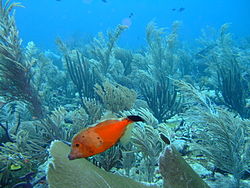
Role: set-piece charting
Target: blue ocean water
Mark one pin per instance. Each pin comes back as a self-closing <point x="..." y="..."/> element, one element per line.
<point x="42" y="21"/>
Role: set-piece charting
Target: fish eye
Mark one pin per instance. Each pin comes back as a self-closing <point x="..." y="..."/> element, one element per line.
<point x="77" y="145"/>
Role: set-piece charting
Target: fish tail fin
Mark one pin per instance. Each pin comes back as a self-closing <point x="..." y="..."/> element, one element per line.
<point x="135" y="118"/>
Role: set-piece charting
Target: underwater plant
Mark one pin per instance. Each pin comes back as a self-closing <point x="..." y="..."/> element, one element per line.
<point x="162" y="50"/>
<point x="126" y="58"/>
<point x="162" y="98"/>
<point x="16" y="77"/>
<point x="80" y="72"/>
<point x="94" y="109"/>
<point x="109" y="159"/>
<point x="226" y="67"/>
<point x="128" y="160"/>
<point x="226" y="143"/>
<point x="52" y="82"/>
<point x="24" y="154"/>
<point x="12" y="114"/>
<point x="220" y="135"/>
<point x="115" y="97"/>
<point x="123" y="67"/>
<point x="232" y="87"/>
<point x="27" y="181"/>
<point x="146" y="139"/>
<point x="102" y="47"/>
<point x="54" y="127"/>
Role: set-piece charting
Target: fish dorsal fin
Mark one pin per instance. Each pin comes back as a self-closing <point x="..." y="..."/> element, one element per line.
<point x="127" y="134"/>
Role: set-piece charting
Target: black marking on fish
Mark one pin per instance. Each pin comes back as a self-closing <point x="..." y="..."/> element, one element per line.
<point x="164" y="138"/>
<point x="135" y="118"/>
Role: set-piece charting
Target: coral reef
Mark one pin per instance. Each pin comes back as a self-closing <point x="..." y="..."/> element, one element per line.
<point x="115" y="97"/>
<point x="231" y="86"/>
<point x="217" y="130"/>
<point x="126" y="58"/>
<point x="80" y="71"/>
<point x="146" y="139"/>
<point x="226" y="66"/>
<point x="195" y="97"/>
<point x="94" y="109"/>
<point x="162" y="50"/>
<point x="15" y="82"/>
<point x="162" y="99"/>
<point x="101" y="48"/>
<point x="226" y="133"/>
<point x="109" y="159"/>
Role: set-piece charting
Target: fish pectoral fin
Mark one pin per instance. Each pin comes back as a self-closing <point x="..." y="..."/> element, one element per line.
<point x="127" y="135"/>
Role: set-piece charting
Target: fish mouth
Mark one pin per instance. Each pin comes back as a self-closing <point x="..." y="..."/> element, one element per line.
<point x="71" y="157"/>
<point x="74" y="155"/>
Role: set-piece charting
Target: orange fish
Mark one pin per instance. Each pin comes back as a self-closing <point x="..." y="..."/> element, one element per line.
<point x="97" y="139"/>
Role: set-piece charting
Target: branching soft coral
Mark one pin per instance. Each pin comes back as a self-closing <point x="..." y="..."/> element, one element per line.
<point x="80" y="72"/>
<point x="162" y="50"/>
<point x="54" y="127"/>
<point x="147" y="140"/>
<point x="116" y="97"/>
<point x="228" y="68"/>
<point x="162" y="98"/>
<point x="102" y="47"/>
<point x="231" y="85"/>
<point x="15" y="82"/>
<point x="220" y="135"/>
